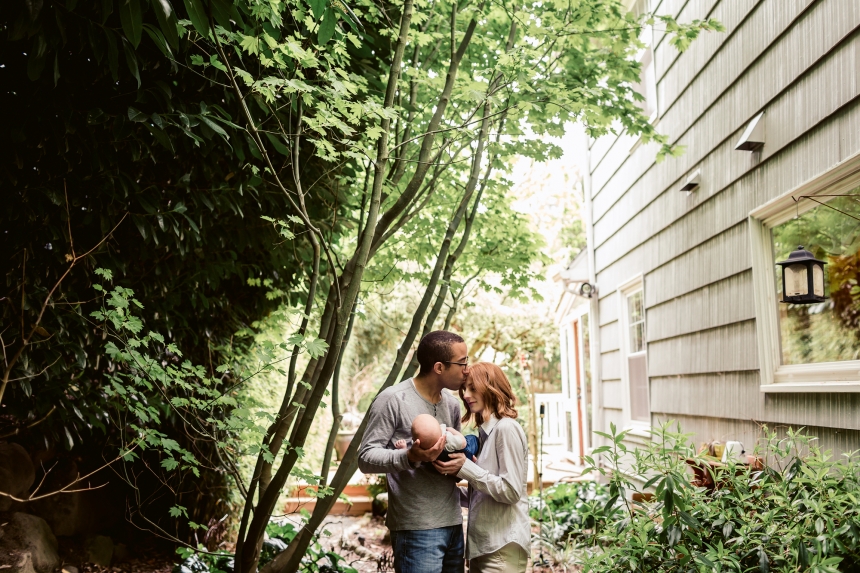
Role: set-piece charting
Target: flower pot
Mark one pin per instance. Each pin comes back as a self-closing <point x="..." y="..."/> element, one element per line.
<point x="341" y="443"/>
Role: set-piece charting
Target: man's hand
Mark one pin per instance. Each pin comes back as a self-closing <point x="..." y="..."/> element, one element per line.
<point x="416" y="454"/>
<point x="452" y="466"/>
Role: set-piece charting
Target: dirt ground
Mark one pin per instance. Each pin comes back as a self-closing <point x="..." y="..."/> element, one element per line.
<point x="148" y="557"/>
<point x="365" y="544"/>
<point x="362" y="541"/>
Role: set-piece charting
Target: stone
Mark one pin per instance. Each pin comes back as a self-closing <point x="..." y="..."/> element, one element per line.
<point x="81" y="513"/>
<point x="24" y="563"/>
<point x="100" y="550"/>
<point x="17" y="473"/>
<point x="120" y="553"/>
<point x="27" y="534"/>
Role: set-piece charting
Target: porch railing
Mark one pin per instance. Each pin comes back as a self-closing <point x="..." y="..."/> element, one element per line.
<point x="553" y="421"/>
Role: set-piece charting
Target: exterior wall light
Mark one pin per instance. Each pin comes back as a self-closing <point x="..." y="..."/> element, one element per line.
<point x="753" y="136"/>
<point x="587" y="290"/>
<point x="802" y="278"/>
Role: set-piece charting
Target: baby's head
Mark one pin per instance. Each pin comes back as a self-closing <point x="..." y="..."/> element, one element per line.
<point x="427" y="430"/>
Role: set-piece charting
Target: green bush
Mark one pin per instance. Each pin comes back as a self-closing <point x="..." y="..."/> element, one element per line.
<point x="278" y="536"/>
<point x="566" y="510"/>
<point x="798" y="511"/>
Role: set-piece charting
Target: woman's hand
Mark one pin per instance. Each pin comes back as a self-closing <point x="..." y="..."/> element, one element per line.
<point x="452" y="466"/>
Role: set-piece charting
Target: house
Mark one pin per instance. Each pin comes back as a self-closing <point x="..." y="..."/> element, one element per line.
<point x="686" y="322"/>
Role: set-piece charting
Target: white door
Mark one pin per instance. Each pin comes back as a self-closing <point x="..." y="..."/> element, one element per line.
<point x="576" y="381"/>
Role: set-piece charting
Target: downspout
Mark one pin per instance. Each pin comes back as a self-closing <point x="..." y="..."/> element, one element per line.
<point x="597" y="417"/>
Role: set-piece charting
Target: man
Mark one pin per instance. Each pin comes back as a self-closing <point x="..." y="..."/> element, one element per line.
<point x="424" y="514"/>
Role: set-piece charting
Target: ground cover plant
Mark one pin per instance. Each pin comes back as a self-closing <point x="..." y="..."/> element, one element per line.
<point x="566" y="511"/>
<point x="797" y="511"/>
<point x="279" y="533"/>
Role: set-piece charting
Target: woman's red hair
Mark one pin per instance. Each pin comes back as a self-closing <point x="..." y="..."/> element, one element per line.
<point x="491" y="384"/>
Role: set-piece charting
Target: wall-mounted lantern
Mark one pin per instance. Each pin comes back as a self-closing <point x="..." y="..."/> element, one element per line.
<point x="802" y="278"/>
<point x="587" y="290"/>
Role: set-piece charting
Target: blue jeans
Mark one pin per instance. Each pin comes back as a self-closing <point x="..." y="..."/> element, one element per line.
<point x="428" y="550"/>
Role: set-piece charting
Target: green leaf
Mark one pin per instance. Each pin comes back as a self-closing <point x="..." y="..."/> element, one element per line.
<point x="169" y="445"/>
<point x="131" y="60"/>
<point x="136" y="115"/>
<point x="318" y="7"/>
<point x="113" y="54"/>
<point x="316" y="347"/>
<point x="277" y="144"/>
<point x="197" y="15"/>
<point x="763" y="561"/>
<point x="107" y="9"/>
<point x="213" y="126"/>
<point x="132" y="20"/>
<point x="326" y="30"/>
<point x="169" y="464"/>
<point x="158" y="39"/>
<point x="56" y="68"/>
<point x="161" y="138"/>
<point x="224" y="11"/>
<point x="178" y="510"/>
<point x="167" y="21"/>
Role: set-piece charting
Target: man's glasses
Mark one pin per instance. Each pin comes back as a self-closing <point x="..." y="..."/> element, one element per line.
<point x="463" y="364"/>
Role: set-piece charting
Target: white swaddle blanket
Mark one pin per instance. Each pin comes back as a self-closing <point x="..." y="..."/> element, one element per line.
<point x="453" y="442"/>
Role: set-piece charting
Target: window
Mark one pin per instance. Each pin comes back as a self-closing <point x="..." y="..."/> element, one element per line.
<point x="647" y="86"/>
<point x="828" y="331"/>
<point x="814" y="347"/>
<point x="634" y="354"/>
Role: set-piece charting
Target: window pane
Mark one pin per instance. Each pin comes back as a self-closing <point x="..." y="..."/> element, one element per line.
<point x="636" y="321"/>
<point x="827" y="331"/>
<point x="640" y="409"/>
<point x="637" y="337"/>
<point x="634" y="304"/>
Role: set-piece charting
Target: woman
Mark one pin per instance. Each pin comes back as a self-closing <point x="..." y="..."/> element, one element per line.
<point x="497" y="540"/>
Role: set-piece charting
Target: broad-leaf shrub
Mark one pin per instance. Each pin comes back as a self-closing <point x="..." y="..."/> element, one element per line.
<point x="566" y="510"/>
<point x="801" y="512"/>
<point x="148" y="382"/>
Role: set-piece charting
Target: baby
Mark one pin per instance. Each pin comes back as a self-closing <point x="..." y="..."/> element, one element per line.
<point x="427" y="430"/>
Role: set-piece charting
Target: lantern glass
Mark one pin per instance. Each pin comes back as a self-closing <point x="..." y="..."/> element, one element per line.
<point x="796" y="281"/>
<point x="818" y="280"/>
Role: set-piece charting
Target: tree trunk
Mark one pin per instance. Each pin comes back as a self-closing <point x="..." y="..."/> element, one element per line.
<point x="257" y="527"/>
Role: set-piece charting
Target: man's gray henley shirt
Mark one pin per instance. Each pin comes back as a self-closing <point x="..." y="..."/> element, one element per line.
<point x="419" y="497"/>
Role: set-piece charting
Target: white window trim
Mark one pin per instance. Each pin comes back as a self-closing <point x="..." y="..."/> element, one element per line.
<point x="777" y="377"/>
<point x="635" y="427"/>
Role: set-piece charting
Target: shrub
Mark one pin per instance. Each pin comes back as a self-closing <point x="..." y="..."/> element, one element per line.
<point x="278" y="536"/>
<point x="567" y="510"/>
<point x="798" y="511"/>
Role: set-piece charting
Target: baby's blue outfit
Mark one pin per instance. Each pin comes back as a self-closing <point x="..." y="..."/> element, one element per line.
<point x="471" y="449"/>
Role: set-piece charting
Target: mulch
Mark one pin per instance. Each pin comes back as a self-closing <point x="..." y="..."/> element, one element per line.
<point x="149" y="556"/>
